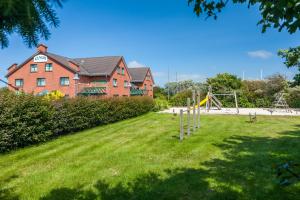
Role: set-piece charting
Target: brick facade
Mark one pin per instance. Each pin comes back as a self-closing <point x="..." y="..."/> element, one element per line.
<point x="114" y="82"/>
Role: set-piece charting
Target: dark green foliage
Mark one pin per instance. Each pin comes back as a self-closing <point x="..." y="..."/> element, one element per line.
<point x="29" y="18"/>
<point x="224" y="82"/>
<point x="291" y="56"/>
<point x="180" y="99"/>
<point x="294" y="97"/>
<point x="24" y="120"/>
<point x="27" y="119"/>
<point x="159" y="92"/>
<point x="279" y="14"/>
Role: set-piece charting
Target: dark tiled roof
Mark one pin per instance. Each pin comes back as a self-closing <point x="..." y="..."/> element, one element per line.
<point x="138" y="74"/>
<point x="61" y="59"/>
<point x="97" y="66"/>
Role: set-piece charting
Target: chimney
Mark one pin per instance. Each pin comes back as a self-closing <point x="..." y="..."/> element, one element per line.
<point x="42" y="48"/>
<point x="12" y="67"/>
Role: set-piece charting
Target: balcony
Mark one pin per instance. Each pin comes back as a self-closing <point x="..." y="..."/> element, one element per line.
<point x="138" y="92"/>
<point x="92" y="89"/>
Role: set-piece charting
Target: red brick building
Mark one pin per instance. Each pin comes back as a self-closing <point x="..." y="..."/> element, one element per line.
<point x="141" y="79"/>
<point x="44" y="72"/>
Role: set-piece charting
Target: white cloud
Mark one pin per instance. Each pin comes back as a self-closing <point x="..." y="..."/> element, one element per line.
<point x="135" y="63"/>
<point x="194" y="77"/>
<point x="260" y="54"/>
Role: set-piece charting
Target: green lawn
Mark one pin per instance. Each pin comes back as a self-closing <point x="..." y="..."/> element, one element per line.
<point x="141" y="158"/>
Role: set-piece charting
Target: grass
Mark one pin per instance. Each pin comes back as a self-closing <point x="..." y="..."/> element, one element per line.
<point x="141" y="158"/>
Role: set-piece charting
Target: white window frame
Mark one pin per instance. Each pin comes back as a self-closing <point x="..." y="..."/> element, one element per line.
<point x="36" y="68"/>
<point x="66" y="81"/>
<point x="39" y="85"/>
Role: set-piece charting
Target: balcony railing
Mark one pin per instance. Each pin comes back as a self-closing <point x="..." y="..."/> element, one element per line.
<point x="88" y="89"/>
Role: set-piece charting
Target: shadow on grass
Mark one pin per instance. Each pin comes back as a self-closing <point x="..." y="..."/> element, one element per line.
<point x="7" y="193"/>
<point x="244" y="172"/>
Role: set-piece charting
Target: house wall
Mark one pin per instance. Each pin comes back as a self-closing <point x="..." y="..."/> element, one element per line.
<point x="120" y="90"/>
<point x="52" y="78"/>
<point x="149" y="85"/>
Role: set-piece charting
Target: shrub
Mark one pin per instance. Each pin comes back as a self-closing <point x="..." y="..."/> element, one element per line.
<point x="27" y="119"/>
<point x="293" y="98"/>
<point x="24" y="120"/>
<point x="180" y="99"/>
<point x="160" y="104"/>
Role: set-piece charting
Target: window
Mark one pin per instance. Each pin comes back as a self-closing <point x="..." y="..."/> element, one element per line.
<point x="33" y="68"/>
<point x="123" y="71"/>
<point x="19" y="82"/>
<point x="145" y="86"/>
<point x="48" y="67"/>
<point x="115" y="83"/>
<point x="119" y="70"/>
<point x="151" y="87"/>
<point x="65" y="81"/>
<point x="41" y="82"/>
<point x="125" y="84"/>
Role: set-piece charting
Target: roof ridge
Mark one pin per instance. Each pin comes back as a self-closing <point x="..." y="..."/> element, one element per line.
<point x="97" y="57"/>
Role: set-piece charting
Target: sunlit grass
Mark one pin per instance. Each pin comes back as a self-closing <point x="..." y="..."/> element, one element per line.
<point x="142" y="158"/>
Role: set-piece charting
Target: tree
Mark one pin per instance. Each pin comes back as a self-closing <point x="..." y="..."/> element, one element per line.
<point x="291" y="56"/>
<point x="276" y="83"/>
<point x="278" y="14"/>
<point x="224" y="82"/>
<point x="29" y="18"/>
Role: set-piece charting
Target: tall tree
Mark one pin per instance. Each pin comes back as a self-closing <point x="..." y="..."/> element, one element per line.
<point x="292" y="59"/>
<point x="30" y="19"/>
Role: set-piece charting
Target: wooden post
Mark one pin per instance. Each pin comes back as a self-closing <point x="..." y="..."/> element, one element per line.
<point x="194" y="111"/>
<point x="198" y="109"/>
<point x="188" y="116"/>
<point x="181" y="125"/>
<point x="236" y="103"/>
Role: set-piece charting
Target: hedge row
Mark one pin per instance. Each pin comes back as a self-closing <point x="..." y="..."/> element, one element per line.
<point x="27" y="119"/>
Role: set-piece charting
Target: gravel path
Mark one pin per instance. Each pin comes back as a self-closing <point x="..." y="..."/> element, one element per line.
<point x="242" y="111"/>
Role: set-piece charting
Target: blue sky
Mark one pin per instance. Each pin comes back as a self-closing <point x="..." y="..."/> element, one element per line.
<point x="163" y="34"/>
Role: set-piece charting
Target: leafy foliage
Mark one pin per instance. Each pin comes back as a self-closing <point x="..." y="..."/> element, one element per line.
<point x="224" y="82"/>
<point x="160" y="104"/>
<point x="28" y="18"/>
<point x="180" y="99"/>
<point x="279" y="14"/>
<point x="294" y="97"/>
<point x="291" y="56"/>
<point x="177" y="87"/>
<point x="27" y="119"/>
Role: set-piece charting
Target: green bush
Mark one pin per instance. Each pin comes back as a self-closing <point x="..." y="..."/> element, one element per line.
<point x="27" y="119"/>
<point x="180" y="99"/>
<point x="160" y="104"/>
<point x="24" y="120"/>
<point x="293" y="98"/>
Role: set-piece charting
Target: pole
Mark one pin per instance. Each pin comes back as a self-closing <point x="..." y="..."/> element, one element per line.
<point x="236" y="103"/>
<point x="168" y="84"/>
<point x="188" y="116"/>
<point x="198" y="109"/>
<point x="181" y="125"/>
<point x="194" y="111"/>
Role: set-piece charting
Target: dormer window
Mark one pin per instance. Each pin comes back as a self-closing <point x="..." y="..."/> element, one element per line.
<point x="115" y="83"/>
<point x="33" y="68"/>
<point x="48" y="67"/>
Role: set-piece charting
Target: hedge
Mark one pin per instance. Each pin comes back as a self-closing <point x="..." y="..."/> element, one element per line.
<point x="27" y="119"/>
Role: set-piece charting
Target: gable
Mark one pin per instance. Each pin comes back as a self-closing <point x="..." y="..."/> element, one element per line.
<point x="62" y="61"/>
